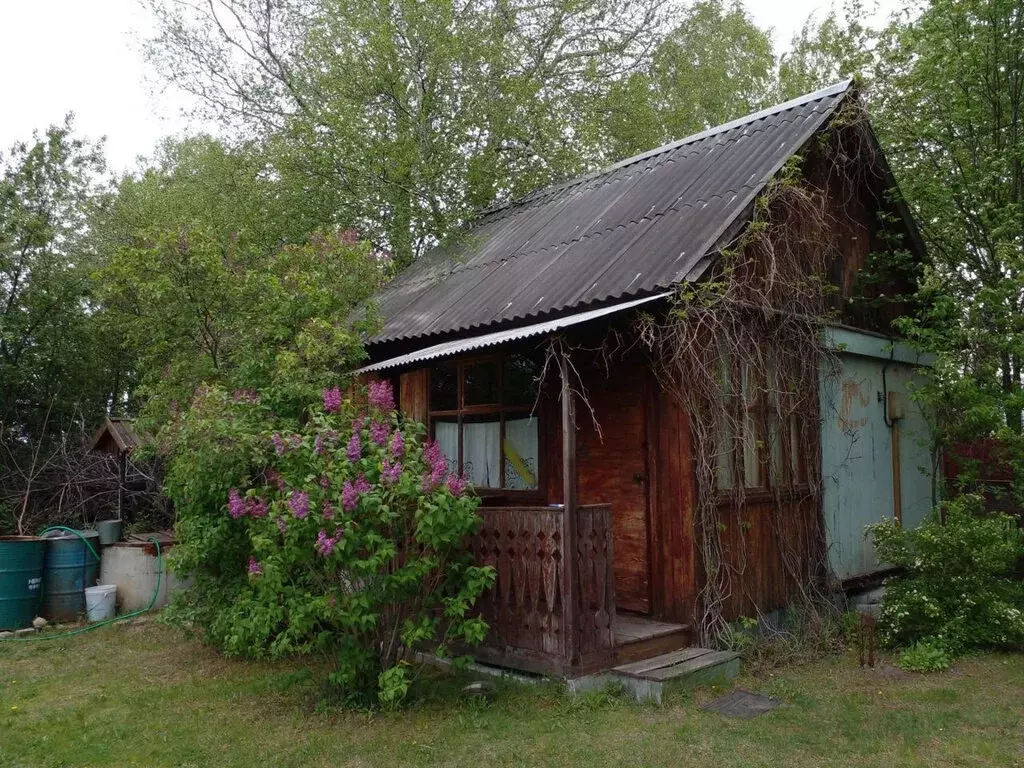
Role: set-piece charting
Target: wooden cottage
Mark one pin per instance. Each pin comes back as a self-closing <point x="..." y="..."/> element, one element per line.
<point x="522" y="347"/>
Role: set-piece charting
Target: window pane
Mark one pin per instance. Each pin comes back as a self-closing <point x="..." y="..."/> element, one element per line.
<point x="480" y="384"/>
<point x="775" y="450"/>
<point x="481" y="438"/>
<point x="521" y="464"/>
<point x="446" y="433"/>
<point x="751" y="457"/>
<point x="444" y="391"/>
<point x="520" y="381"/>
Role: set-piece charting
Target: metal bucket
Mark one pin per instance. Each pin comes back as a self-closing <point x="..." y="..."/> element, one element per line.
<point x="69" y="568"/>
<point x="21" y="577"/>
<point x="110" y="531"/>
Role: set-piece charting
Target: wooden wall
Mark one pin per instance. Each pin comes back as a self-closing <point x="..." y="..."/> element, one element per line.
<point x="641" y="465"/>
<point x="672" y="491"/>
<point x="611" y="459"/>
<point x="646" y="436"/>
<point x="413" y="394"/>
<point x="759" y="545"/>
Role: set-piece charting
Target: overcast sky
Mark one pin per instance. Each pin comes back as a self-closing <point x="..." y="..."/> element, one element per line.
<point x="83" y="56"/>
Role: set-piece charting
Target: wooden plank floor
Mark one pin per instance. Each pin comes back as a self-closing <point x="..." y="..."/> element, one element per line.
<point x="630" y="628"/>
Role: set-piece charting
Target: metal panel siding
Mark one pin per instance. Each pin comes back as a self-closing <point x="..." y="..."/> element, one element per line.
<point x="856" y="448"/>
<point x="626" y="231"/>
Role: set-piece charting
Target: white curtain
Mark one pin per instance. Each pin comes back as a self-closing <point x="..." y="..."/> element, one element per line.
<point x="521" y="449"/>
<point x="446" y="433"/>
<point x="481" y="453"/>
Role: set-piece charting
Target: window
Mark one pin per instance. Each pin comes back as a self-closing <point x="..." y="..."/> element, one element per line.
<point x="481" y="416"/>
<point x="763" y="455"/>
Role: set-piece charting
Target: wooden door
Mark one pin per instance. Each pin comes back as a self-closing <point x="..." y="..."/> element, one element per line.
<point x="612" y="470"/>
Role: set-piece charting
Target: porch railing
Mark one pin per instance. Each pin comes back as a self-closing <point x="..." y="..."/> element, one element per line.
<point x="539" y="622"/>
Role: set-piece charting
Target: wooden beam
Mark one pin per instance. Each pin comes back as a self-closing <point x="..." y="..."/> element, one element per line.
<point x="897" y="474"/>
<point x="122" y="476"/>
<point x="570" y="546"/>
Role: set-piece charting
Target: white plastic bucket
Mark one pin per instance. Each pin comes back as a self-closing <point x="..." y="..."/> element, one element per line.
<point x="100" y="602"/>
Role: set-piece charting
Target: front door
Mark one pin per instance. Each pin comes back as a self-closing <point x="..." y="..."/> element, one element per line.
<point x="612" y="470"/>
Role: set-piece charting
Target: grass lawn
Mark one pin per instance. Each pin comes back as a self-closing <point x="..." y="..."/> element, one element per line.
<point x="144" y="695"/>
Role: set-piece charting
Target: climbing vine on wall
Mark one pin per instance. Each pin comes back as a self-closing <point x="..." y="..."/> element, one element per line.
<point x="743" y="351"/>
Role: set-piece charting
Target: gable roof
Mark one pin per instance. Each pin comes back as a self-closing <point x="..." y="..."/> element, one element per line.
<point x="629" y="230"/>
<point x="115" y="432"/>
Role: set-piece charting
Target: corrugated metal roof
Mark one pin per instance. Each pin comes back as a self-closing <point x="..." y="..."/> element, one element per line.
<point x="632" y="229"/>
<point x="459" y="346"/>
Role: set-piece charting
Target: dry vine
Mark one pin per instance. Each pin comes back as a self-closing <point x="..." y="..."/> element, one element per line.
<point x="743" y="350"/>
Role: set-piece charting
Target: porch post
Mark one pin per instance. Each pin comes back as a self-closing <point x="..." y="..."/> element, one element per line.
<point x="569" y="546"/>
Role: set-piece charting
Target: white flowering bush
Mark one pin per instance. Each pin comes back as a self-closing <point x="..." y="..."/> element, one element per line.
<point x="958" y="590"/>
<point x="345" y="537"/>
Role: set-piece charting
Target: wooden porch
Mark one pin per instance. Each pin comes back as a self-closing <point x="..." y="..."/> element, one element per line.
<point x="552" y="608"/>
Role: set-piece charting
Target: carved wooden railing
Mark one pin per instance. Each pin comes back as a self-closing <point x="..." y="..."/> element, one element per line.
<point x="535" y="624"/>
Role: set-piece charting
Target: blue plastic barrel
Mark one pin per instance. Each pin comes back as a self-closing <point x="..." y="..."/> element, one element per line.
<point x="69" y="567"/>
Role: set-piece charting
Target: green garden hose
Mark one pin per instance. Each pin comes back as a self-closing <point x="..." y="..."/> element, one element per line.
<point x="98" y="624"/>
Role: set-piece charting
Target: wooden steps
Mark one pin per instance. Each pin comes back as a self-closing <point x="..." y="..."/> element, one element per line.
<point x="638" y="637"/>
<point x="647" y="679"/>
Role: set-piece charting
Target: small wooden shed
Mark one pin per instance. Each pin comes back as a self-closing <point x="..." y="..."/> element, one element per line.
<point x="518" y="346"/>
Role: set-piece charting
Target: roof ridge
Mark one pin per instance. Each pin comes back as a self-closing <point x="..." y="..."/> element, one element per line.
<point x="822" y="93"/>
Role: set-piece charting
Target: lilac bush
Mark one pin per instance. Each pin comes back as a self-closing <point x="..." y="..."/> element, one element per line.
<point x="355" y="534"/>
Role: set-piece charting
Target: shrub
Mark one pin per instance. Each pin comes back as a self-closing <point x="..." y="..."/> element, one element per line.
<point x="957" y="587"/>
<point x="345" y="536"/>
<point x="925" y="656"/>
<point x="800" y="633"/>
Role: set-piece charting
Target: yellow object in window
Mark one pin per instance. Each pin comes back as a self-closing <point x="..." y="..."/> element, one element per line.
<point x="513" y="458"/>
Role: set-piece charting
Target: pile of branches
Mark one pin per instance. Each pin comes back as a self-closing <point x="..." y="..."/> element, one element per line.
<point x="59" y="482"/>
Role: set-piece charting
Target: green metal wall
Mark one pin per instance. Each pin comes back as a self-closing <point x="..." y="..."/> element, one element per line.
<point x="856" y="447"/>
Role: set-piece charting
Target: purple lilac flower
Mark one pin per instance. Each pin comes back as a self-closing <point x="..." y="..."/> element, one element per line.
<point x="236" y="504"/>
<point x="349" y="496"/>
<point x="299" y="502"/>
<point x="456" y="484"/>
<point x="397" y="445"/>
<point x="332" y="400"/>
<point x="379" y="432"/>
<point x="274" y="477"/>
<point x="282" y="526"/>
<point x="382" y="396"/>
<point x="256" y="507"/>
<point x="433" y="455"/>
<point x="325" y="544"/>
<point x="328" y="510"/>
<point x="435" y="458"/>
<point x="318" y="445"/>
<point x="355" y="447"/>
<point x="357" y="424"/>
<point x="362" y="485"/>
<point x="391" y="473"/>
<point x="279" y="444"/>
<point x="255" y="569"/>
<point x="324" y="481"/>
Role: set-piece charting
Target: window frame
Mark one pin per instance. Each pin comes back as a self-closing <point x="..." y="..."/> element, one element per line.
<point x="499" y="408"/>
<point x="758" y="413"/>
